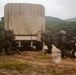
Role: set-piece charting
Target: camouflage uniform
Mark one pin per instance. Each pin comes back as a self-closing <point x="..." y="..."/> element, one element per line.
<point x="67" y="45"/>
<point x="12" y="48"/>
<point x="62" y="42"/>
<point x="7" y="42"/>
<point x="4" y="42"/>
<point x="61" y="39"/>
<point x="47" y="38"/>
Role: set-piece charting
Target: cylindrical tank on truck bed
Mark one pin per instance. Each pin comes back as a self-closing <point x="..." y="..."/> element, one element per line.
<point x="25" y="20"/>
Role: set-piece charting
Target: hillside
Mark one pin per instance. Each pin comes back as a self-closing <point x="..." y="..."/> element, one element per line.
<point x="52" y="20"/>
<point x="71" y="19"/>
<point x="57" y="24"/>
<point x="53" y="23"/>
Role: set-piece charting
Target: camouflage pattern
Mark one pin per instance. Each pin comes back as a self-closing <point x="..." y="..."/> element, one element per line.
<point x="63" y="41"/>
<point x="10" y="35"/>
<point x="66" y="44"/>
<point x="46" y="37"/>
<point x="7" y="42"/>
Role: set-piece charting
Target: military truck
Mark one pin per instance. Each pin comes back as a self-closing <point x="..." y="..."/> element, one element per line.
<point x="27" y="21"/>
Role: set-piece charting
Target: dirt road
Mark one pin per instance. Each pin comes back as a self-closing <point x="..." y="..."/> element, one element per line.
<point x="37" y="63"/>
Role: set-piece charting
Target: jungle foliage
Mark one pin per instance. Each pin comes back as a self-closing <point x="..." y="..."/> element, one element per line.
<point x="2" y="22"/>
<point x="56" y="25"/>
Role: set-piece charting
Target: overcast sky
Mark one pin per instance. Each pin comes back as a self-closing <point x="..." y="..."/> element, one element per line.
<point x="62" y="9"/>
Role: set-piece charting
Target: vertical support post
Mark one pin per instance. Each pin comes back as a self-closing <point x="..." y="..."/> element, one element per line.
<point x="19" y="43"/>
<point x="31" y="41"/>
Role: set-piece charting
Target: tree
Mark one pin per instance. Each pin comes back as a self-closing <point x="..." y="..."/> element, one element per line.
<point x="2" y="19"/>
<point x="2" y="22"/>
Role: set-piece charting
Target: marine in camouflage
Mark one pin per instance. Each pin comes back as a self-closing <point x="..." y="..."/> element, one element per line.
<point x="66" y="44"/>
<point x="47" y="38"/>
<point x="7" y="42"/>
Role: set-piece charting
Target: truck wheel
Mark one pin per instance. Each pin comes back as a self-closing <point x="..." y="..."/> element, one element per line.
<point x="39" y="45"/>
<point x="25" y="45"/>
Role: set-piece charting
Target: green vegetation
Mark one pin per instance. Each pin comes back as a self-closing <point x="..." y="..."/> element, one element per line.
<point x="56" y="24"/>
<point x="2" y="23"/>
<point x="14" y="65"/>
<point x="71" y="19"/>
<point x="42" y="56"/>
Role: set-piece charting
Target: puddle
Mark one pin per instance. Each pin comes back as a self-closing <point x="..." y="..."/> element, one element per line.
<point x="56" y="55"/>
<point x="56" y="58"/>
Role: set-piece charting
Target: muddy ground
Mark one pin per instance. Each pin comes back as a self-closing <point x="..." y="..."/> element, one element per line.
<point x="37" y="63"/>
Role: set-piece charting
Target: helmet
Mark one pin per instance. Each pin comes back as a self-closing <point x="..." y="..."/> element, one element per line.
<point x="63" y="32"/>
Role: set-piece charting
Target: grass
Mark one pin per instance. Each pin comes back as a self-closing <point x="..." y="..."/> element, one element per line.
<point x="43" y="56"/>
<point x="14" y="65"/>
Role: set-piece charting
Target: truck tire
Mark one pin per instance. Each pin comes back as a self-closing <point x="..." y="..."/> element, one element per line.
<point x="39" y="45"/>
<point x="25" y="44"/>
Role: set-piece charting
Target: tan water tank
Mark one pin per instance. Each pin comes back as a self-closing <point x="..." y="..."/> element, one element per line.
<point x="24" y="19"/>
